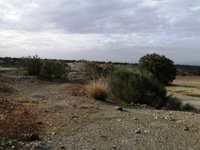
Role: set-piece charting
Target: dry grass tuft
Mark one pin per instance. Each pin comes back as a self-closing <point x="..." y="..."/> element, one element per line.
<point x="98" y="90"/>
<point x="4" y="88"/>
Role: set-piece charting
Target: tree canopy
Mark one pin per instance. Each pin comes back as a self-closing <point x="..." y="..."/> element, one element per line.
<point x="159" y="66"/>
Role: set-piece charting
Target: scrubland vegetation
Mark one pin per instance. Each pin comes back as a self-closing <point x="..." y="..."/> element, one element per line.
<point x="118" y="82"/>
<point x="49" y="104"/>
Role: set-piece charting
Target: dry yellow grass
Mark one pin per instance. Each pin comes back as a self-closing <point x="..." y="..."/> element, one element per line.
<point x="98" y="90"/>
<point x="188" y="78"/>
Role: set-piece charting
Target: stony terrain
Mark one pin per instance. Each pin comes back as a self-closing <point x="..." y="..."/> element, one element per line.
<point x="63" y="117"/>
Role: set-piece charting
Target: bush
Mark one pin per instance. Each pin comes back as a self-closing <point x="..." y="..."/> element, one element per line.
<point x="31" y="64"/>
<point x="176" y="104"/>
<point x="108" y="69"/>
<point x="53" y="69"/>
<point x="159" y="66"/>
<point x="187" y="107"/>
<point x="91" y="70"/>
<point x="98" y="90"/>
<point x="173" y="103"/>
<point x="130" y="87"/>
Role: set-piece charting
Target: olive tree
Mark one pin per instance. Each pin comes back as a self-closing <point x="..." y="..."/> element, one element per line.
<point x="159" y="66"/>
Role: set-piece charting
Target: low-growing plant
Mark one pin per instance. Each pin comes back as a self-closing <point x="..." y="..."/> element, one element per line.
<point x="31" y="64"/>
<point x="4" y="88"/>
<point x="188" y="107"/>
<point x="53" y="69"/>
<point x="91" y="70"/>
<point x="98" y="90"/>
<point x="173" y="103"/>
<point x="133" y="87"/>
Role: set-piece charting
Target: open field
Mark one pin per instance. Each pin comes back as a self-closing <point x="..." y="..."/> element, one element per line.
<point x="187" y="88"/>
<point x="43" y="115"/>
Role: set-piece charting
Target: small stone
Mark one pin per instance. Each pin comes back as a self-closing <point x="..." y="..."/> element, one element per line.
<point x="172" y="119"/>
<point x="137" y="131"/>
<point x="119" y="120"/>
<point x="135" y="118"/>
<point x="62" y="147"/>
<point x="39" y="122"/>
<point x="145" y="131"/>
<point x="186" y="129"/>
<point x="30" y="137"/>
<point x="13" y="148"/>
<point x="118" y="108"/>
<point x="156" y="117"/>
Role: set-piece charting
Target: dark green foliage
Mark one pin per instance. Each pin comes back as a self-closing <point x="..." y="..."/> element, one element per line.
<point x="108" y="69"/>
<point x="91" y="70"/>
<point x="32" y="64"/>
<point x="173" y="103"/>
<point x="187" y="107"/>
<point x="49" y="69"/>
<point x="159" y="66"/>
<point x="176" y="104"/>
<point x="129" y="86"/>
<point x="53" y="69"/>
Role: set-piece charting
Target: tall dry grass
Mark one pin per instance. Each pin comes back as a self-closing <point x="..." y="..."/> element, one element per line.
<point x="98" y="90"/>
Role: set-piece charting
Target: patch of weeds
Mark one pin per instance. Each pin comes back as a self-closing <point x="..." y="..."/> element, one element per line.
<point x="187" y="107"/>
<point x="4" y="88"/>
<point x="173" y="103"/>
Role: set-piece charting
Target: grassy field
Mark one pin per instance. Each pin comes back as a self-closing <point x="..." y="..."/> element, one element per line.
<point x="185" y="85"/>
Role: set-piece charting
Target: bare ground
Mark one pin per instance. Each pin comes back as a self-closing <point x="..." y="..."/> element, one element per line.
<point x="64" y="118"/>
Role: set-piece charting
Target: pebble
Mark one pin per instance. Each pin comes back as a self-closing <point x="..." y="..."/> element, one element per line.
<point x="118" y="108"/>
<point x="62" y="147"/>
<point x="135" y="118"/>
<point x="186" y="129"/>
<point x="137" y="131"/>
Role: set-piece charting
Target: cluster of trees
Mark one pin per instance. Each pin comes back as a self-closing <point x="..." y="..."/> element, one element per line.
<point x="145" y="86"/>
<point x="159" y="67"/>
<point x="49" y="69"/>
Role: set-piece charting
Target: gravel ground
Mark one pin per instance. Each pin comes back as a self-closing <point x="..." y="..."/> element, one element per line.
<point x="79" y="123"/>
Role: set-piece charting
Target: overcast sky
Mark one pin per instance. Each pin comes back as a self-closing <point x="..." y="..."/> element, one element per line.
<point x="102" y="30"/>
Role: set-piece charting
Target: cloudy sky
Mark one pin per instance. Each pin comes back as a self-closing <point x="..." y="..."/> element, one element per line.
<point x="103" y="30"/>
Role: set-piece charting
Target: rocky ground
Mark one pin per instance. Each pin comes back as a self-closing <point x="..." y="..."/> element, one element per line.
<point x="43" y="115"/>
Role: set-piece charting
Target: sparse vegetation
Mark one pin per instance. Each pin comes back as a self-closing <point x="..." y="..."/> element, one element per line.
<point x="160" y="67"/>
<point x="48" y="69"/>
<point x="32" y="64"/>
<point x="176" y="104"/>
<point x="4" y="88"/>
<point x="91" y="70"/>
<point x="98" y="90"/>
<point x="173" y="103"/>
<point x="130" y="87"/>
<point x="188" y="107"/>
<point x="53" y="69"/>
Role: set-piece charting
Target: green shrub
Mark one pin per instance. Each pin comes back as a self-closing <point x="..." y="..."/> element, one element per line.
<point x="130" y="87"/>
<point x="173" y="103"/>
<point x="53" y="69"/>
<point x="98" y="90"/>
<point x="31" y="64"/>
<point x="187" y="107"/>
<point x="108" y="69"/>
<point x="91" y="70"/>
<point x="159" y="66"/>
